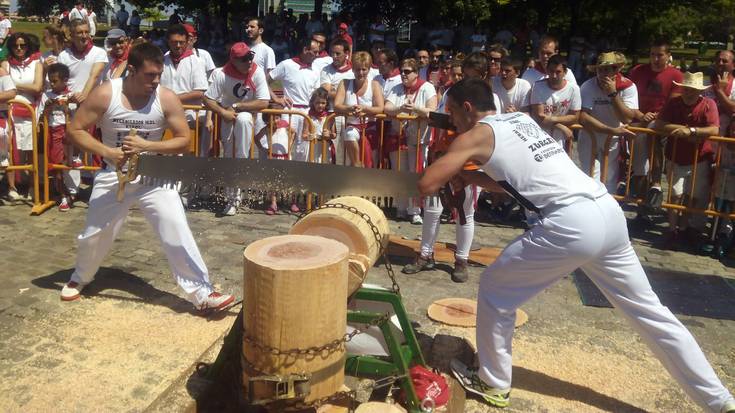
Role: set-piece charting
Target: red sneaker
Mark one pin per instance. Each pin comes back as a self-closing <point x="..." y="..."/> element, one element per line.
<point x="64" y="205"/>
<point x="216" y="301"/>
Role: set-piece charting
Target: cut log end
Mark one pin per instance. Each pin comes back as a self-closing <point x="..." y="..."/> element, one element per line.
<point x="295" y="252"/>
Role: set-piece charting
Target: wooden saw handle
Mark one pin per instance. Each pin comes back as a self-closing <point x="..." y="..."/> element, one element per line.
<point x="127" y="176"/>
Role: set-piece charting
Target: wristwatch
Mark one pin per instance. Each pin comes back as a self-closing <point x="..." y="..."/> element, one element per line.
<point x="692" y="131"/>
<point x="234" y="107"/>
<point x="613" y="94"/>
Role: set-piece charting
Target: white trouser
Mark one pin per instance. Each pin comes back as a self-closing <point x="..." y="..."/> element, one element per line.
<point x="163" y="210"/>
<point x="339" y="127"/>
<point x="236" y="137"/>
<point x="432" y="214"/>
<point x="300" y="150"/>
<point x="591" y="235"/>
<point x="641" y="153"/>
<point x="412" y="206"/>
<point x="587" y="153"/>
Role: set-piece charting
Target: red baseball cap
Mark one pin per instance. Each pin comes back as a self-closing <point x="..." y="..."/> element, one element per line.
<point x="239" y="50"/>
<point x="343" y="26"/>
<point x="190" y="29"/>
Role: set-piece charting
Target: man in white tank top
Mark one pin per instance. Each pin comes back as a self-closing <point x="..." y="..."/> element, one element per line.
<point x="117" y="107"/>
<point x="581" y="226"/>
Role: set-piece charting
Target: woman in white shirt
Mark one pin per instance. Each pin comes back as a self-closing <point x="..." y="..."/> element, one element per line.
<point x="26" y="71"/>
<point x="361" y="99"/>
<point x="417" y="97"/>
<point x="92" y="19"/>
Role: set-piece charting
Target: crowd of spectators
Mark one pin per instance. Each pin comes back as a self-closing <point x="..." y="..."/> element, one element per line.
<point x="359" y="69"/>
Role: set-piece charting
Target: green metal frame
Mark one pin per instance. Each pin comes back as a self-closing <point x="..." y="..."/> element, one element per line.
<point x="402" y="356"/>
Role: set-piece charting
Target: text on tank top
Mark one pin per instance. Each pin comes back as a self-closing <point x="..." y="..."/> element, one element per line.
<point x="352" y="98"/>
<point x="533" y="167"/>
<point x="149" y="121"/>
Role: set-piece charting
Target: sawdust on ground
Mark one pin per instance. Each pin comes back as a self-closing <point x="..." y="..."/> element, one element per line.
<point x="106" y="355"/>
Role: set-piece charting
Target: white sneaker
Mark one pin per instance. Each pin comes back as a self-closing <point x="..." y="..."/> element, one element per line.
<point x="729" y="407"/>
<point x="416" y="219"/>
<point x="216" y="301"/>
<point x="230" y="209"/>
<point x="71" y="291"/>
<point x="4" y="163"/>
<point x="13" y="195"/>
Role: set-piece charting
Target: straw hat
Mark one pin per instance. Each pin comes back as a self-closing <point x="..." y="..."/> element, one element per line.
<point x="609" y="59"/>
<point x="693" y="81"/>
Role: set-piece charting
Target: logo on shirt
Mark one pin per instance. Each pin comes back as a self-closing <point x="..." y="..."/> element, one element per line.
<point x="240" y="91"/>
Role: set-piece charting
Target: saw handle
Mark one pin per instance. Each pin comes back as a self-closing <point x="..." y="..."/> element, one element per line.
<point x="123" y="177"/>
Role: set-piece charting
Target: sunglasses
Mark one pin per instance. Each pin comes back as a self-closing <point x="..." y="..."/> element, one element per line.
<point x="115" y="42"/>
<point x="407" y="72"/>
<point x="21" y="45"/>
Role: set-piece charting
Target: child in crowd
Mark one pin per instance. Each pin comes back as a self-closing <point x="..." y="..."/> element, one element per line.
<point x="318" y="114"/>
<point x="54" y="108"/>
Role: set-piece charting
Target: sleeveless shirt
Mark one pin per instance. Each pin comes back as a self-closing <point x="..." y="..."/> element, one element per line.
<point x="533" y="167"/>
<point x="116" y="123"/>
<point x="352" y="99"/>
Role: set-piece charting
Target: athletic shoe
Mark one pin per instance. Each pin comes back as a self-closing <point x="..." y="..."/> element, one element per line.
<point x="729" y="407"/>
<point x="295" y="209"/>
<point x="416" y="219"/>
<point x="472" y="383"/>
<point x="271" y="210"/>
<point x="216" y="301"/>
<point x="13" y="195"/>
<point x="64" y="204"/>
<point x="421" y="264"/>
<point x="460" y="273"/>
<point x="230" y="209"/>
<point x="654" y="197"/>
<point x="76" y="162"/>
<point x="71" y="291"/>
<point x="4" y="163"/>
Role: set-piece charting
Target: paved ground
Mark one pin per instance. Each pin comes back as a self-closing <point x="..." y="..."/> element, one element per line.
<point x="131" y="337"/>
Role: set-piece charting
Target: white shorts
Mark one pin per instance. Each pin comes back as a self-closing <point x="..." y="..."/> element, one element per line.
<point x="681" y="179"/>
<point x="23" y="134"/>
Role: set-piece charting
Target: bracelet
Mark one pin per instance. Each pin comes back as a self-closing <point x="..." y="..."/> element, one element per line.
<point x="613" y="94"/>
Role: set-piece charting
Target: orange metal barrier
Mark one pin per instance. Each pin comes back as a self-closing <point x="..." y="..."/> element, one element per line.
<point x="31" y="167"/>
<point x="685" y="205"/>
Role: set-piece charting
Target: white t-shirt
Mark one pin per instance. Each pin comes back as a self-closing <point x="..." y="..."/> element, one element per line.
<point x="92" y="23"/>
<point x="80" y="70"/>
<point x="5" y="26"/>
<point x="24" y="75"/>
<point x="532" y="76"/>
<point x="519" y="95"/>
<point x="532" y="167"/>
<point x="397" y="96"/>
<point x="373" y="73"/>
<point x="298" y="83"/>
<point x="600" y="106"/>
<point x="388" y="84"/>
<point x="556" y="102"/>
<point x="264" y="56"/>
<point x="56" y="116"/>
<point x="227" y="90"/>
<point x="206" y="59"/>
<point x="321" y="62"/>
<point x="331" y="75"/>
<point x="188" y="76"/>
<point x="76" y="14"/>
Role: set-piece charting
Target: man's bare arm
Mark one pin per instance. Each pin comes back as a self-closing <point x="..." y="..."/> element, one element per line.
<point x="85" y="117"/>
<point x="191" y="98"/>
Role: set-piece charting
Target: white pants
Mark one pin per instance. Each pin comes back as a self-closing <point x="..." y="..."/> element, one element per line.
<point x="162" y="208"/>
<point x="432" y="216"/>
<point x="587" y="153"/>
<point x="237" y="136"/>
<point x="300" y="151"/>
<point x="591" y="235"/>
<point x="412" y="206"/>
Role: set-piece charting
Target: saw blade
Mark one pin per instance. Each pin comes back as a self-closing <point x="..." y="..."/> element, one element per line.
<point x="281" y="176"/>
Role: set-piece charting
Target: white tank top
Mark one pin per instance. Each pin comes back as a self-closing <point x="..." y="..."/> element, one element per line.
<point x="351" y="98"/>
<point x="116" y="123"/>
<point x="533" y="167"/>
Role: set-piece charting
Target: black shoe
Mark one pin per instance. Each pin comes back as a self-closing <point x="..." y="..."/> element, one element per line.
<point x="460" y="272"/>
<point x="421" y="264"/>
<point x="654" y="197"/>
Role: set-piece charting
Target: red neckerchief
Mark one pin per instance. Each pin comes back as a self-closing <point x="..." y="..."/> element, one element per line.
<point x="301" y="64"/>
<point x="395" y="72"/>
<point x="317" y="115"/>
<point x="374" y="66"/>
<point x="81" y="55"/>
<point x="230" y="70"/>
<point x="177" y="60"/>
<point x="15" y="62"/>
<point x="116" y="61"/>
<point x="622" y="82"/>
<point x="323" y="53"/>
<point x="346" y="67"/>
<point x="413" y="90"/>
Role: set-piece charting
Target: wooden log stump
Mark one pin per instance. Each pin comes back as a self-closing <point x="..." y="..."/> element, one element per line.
<point x="294" y="290"/>
<point x="352" y="230"/>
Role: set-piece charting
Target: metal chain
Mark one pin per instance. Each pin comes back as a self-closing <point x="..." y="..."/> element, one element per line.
<point x="376" y="233"/>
